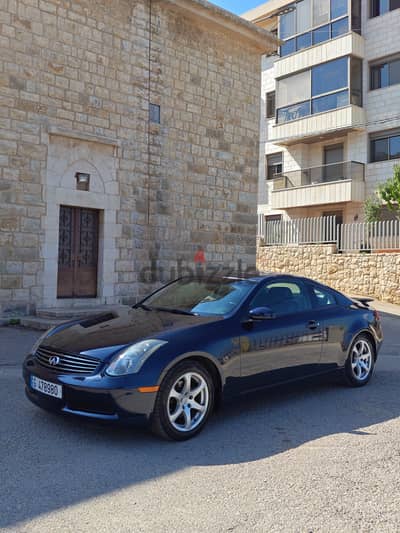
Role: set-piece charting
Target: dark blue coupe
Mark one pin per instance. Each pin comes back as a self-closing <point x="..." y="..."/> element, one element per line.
<point x="172" y="357"/>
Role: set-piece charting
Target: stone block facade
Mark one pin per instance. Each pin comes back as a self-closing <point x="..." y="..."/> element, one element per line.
<point x="375" y="275"/>
<point x="76" y="82"/>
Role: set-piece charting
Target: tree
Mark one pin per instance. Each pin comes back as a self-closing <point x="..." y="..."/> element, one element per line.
<point x="389" y="192"/>
<point x="373" y="208"/>
<point x="387" y="195"/>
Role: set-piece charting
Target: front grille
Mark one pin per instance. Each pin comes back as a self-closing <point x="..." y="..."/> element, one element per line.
<point x="68" y="363"/>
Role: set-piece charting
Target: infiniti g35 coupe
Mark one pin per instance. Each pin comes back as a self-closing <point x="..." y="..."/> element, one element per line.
<point x="170" y="359"/>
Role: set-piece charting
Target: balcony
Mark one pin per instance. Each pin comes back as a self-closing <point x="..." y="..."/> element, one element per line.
<point x="350" y="44"/>
<point x="327" y="184"/>
<point x="319" y="127"/>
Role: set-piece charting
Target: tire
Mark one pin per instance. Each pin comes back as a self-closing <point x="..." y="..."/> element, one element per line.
<point x="177" y="414"/>
<point x="360" y="362"/>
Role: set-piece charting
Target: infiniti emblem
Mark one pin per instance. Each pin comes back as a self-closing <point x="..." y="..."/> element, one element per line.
<point x="54" y="360"/>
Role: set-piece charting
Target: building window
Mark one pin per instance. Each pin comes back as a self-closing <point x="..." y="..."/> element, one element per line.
<point x="155" y="113"/>
<point x="385" y="74"/>
<point x="310" y="22"/>
<point x="273" y="218"/>
<point x="270" y="104"/>
<point x="384" y="148"/>
<point x="274" y="163"/>
<point x="380" y="7"/>
<point x="319" y="89"/>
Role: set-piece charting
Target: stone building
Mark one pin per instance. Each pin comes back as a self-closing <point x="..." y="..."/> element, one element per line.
<point x="129" y="136"/>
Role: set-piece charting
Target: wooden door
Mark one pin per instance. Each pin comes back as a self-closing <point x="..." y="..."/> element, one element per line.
<point x="78" y="252"/>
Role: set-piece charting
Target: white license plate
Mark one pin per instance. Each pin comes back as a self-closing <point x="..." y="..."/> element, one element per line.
<point x="46" y="387"/>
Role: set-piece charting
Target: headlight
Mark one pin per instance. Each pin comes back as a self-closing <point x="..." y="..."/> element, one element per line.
<point x="41" y="339"/>
<point x="132" y="359"/>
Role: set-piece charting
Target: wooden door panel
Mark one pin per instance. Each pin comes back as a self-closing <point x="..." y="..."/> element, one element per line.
<point x="86" y="253"/>
<point x="78" y="252"/>
<point x="65" y="280"/>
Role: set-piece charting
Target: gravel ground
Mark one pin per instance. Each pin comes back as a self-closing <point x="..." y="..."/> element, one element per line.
<point x="305" y="458"/>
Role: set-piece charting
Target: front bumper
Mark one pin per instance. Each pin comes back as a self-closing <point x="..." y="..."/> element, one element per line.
<point x="96" y="396"/>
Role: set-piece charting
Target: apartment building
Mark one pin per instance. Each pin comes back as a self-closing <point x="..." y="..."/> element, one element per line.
<point x="330" y="127"/>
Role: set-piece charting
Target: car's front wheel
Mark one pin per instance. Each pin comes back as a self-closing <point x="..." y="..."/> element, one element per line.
<point x="360" y="362"/>
<point x="184" y="402"/>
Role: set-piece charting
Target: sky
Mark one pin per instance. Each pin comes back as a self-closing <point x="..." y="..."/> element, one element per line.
<point x="238" y="6"/>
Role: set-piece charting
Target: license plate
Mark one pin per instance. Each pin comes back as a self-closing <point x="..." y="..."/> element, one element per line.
<point x="46" y="387"/>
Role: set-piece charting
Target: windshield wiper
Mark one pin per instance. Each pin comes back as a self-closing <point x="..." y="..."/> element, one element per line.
<point x="142" y="306"/>
<point x="176" y="311"/>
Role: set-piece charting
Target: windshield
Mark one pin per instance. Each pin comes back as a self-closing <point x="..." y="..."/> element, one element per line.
<point x="208" y="297"/>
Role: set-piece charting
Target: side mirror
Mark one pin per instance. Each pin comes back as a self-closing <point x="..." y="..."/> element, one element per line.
<point x="262" y="313"/>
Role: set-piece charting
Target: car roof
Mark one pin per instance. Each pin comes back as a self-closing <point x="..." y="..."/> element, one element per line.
<point x="260" y="276"/>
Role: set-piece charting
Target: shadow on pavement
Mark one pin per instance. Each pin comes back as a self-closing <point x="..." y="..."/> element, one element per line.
<point x="50" y="462"/>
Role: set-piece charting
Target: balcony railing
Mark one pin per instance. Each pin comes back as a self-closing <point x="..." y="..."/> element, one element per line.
<point x="347" y="170"/>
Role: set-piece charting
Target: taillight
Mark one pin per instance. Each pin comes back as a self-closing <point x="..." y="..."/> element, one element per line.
<point x="377" y="315"/>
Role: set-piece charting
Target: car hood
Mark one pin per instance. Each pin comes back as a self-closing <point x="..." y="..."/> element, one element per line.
<point x="104" y="334"/>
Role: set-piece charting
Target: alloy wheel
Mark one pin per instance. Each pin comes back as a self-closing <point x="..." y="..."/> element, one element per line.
<point x="188" y="401"/>
<point x="361" y="360"/>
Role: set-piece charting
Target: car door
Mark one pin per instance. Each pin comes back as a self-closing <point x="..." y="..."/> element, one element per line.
<point x="285" y="347"/>
<point x="334" y="320"/>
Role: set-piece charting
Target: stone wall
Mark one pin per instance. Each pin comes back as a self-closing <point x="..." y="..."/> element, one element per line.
<point x="82" y="75"/>
<point x="376" y="275"/>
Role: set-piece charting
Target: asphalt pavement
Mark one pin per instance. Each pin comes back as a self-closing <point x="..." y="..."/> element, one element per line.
<point x="315" y="456"/>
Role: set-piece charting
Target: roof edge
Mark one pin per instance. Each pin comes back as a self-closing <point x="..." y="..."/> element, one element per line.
<point x="266" y="9"/>
<point x="262" y="39"/>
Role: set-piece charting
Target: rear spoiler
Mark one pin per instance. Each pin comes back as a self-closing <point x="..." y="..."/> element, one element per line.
<point x="362" y="300"/>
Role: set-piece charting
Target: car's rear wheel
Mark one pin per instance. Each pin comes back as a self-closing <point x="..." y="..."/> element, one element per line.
<point x="184" y="402"/>
<point x="360" y="362"/>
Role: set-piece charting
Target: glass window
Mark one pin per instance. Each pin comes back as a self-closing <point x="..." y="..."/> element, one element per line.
<point x="270" y="104"/>
<point x="379" y="150"/>
<point x="385" y="74"/>
<point x="394" y="147"/>
<point x="340" y="27"/>
<point x="356" y="16"/>
<point x="208" y="296"/>
<point x="320" y="12"/>
<point x="379" y="76"/>
<point x="356" y="81"/>
<point x="379" y="7"/>
<point x="287" y="24"/>
<point x="303" y="41"/>
<point x="303" y="16"/>
<point x="295" y="88"/>
<point x="394" y="72"/>
<point x="323" y="297"/>
<point x="289" y="47"/>
<point x="329" y="76"/>
<point x="294" y="112"/>
<point x="154" y="113"/>
<point x="321" y="34"/>
<point x="274" y="165"/>
<point x="331" y="101"/>
<point x="338" y="8"/>
<point x="283" y="298"/>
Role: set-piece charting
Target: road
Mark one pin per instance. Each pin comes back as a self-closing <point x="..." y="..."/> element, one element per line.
<point x="304" y="458"/>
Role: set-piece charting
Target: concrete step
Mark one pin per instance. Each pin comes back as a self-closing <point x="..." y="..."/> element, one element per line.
<point x="41" y="324"/>
<point x="60" y="313"/>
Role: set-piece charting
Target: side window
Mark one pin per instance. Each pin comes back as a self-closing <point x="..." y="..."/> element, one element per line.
<point x="283" y="298"/>
<point x="322" y="297"/>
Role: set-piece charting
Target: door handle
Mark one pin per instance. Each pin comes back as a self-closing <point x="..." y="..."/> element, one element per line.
<point x="313" y="324"/>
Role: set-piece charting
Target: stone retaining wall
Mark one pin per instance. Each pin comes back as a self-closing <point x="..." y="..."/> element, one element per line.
<point x="376" y="275"/>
